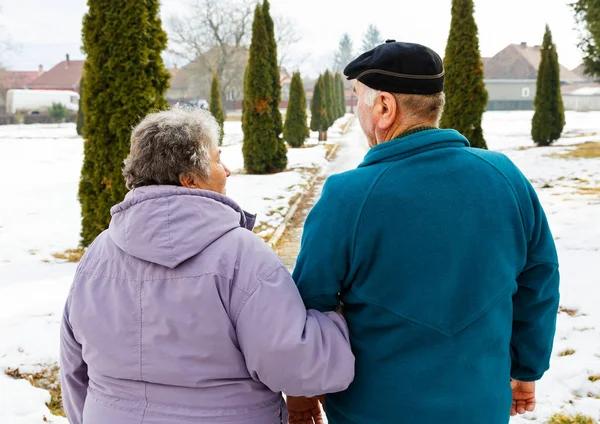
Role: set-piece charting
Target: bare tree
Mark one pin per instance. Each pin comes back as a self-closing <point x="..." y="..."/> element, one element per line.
<point x="212" y="34"/>
<point x="6" y="45"/>
<point x="6" y="77"/>
<point x="215" y="35"/>
<point x="285" y="36"/>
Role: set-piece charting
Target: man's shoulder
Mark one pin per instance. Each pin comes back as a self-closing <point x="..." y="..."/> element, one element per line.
<point x="496" y="159"/>
<point x="499" y="163"/>
<point x="352" y="183"/>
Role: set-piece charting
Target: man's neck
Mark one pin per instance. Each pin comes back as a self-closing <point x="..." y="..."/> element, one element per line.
<point x="406" y="130"/>
<point x="415" y="130"/>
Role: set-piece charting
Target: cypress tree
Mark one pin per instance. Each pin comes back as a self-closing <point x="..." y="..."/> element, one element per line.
<point x="260" y="147"/>
<point x="344" y="55"/>
<point x="125" y="79"/>
<point x="215" y="104"/>
<point x="329" y="98"/>
<point x="318" y="118"/>
<point x="343" y="98"/>
<point x="466" y="96"/>
<point x="549" y="117"/>
<point x="273" y="65"/>
<point x="341" y="101"/>
<point x="244" y="129"/>
<point x="295" y="130"/>
<point x="80" y="110"/>
<point x="280" y="159"/>
<point x="334" y="98"/>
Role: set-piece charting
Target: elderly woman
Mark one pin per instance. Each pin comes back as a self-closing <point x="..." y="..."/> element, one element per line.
<point x="178" y="312"/>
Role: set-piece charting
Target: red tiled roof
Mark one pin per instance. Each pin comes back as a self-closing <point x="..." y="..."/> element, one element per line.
<point x="17" y="79"/>
<point x="520" y="61"/>
<point x="64" y="75"/>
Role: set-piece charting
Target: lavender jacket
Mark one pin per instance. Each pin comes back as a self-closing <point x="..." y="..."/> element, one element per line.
<point x="179" y="313"/>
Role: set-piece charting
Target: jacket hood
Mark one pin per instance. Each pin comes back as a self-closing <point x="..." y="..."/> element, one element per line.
<point x="168" y="225"/>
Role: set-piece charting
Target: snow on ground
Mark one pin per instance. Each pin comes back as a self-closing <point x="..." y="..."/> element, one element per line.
<point x="233" y="133"/>
<point x="38" y="131"/>
<point x="270" y="197"/>
<point x="39" y="214"/>
<point x="308" y="157"/>
<point x="574" y="217"/>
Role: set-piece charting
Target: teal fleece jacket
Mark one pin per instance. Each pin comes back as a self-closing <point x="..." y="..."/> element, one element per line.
<point x="443" y="260"/>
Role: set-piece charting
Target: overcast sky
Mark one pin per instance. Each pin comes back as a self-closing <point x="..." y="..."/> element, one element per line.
<point x="43" y="31"/>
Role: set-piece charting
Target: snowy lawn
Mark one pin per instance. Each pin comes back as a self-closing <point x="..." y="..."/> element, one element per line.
<point x="39" y="214"/>
<point x="569" y="189"/>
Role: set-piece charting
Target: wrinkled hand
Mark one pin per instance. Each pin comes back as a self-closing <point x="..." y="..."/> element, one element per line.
<point x="303" y="410"/>
<point x="523" y="397"/>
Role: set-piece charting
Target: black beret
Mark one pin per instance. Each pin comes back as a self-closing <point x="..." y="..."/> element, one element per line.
<point x="399" y="68"/>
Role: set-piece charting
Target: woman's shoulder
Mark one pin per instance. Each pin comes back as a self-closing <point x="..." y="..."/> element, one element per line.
<point x="254" y="259"/>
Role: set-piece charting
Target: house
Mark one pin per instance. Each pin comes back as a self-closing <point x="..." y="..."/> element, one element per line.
<point x="18" y="79"/>
<point x="580" y="70"/>
<point x="192" y="82"/>
<point x="15" y="80"/>
<point x="64" y="76"/>
<point x="510" y="77"/>
<point x="581" y="97"/>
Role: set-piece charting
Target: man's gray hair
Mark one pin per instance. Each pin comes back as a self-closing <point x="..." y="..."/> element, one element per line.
<point x="425" y="106"/>
<point x="170" y="143"/>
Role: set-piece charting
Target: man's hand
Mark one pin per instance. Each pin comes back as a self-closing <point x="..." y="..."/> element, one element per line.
<point x="523" y="397"/>
<point x="303" y="410"/>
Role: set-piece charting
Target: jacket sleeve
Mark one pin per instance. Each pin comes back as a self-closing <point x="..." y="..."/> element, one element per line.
<point x="289" y="349"/>
<point x="535" y="304"/>
<point x="324" y="260"/>
<point x="73" y="370"/>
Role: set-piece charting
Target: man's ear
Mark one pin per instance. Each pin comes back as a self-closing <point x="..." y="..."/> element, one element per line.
<point x="387" y="110"/>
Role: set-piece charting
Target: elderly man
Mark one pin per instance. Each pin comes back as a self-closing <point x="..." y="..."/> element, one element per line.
<point x="441" y="256"/>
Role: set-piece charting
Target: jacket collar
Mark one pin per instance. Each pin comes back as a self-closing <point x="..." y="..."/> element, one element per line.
<point x="420" y="142"/>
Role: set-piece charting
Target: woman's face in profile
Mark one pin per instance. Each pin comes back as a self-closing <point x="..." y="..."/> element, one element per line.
<point x="218" y="173"/>
<point x="218" y="176"/>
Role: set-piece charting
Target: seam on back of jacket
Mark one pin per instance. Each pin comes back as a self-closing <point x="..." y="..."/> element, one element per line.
<point x="467" y="322"/>
<point x="140" y="332"/>
<point x="260" y="280"/>
<point x="70" y="297"/>
<point x="512" y="188"/>
<point x="239" y="311"/>
<point x="169" y="230"/>
<point x="187" y="277"/>
<point x="360" y="211"/>
<point x="127" y="218"/>
<point x="113" y="402"/>
<point x="142" y="352"/>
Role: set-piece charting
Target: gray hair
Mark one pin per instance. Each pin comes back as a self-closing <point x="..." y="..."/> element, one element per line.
<point x="426" y="106"/>
<point x="170" y="143"/>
